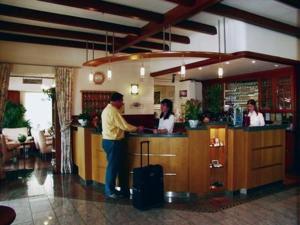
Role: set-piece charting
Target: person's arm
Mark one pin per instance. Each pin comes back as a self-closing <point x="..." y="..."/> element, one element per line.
<point x="121" y="123"/>
<point x="261" y="119"/>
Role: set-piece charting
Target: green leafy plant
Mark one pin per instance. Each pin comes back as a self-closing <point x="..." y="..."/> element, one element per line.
<point x="50" y="92"/>
<point x="14" y="116"/>
<point x="214" y="99"/>
<point x="84" y="116"/>
<point x="192" y="109"/>
<point x="21" y="138"/>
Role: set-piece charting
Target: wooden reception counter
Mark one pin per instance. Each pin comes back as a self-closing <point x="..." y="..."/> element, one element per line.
<point x="205" y="159"/>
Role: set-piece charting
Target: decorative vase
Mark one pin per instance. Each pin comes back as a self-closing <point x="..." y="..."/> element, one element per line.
<point x="193" y="123"/>
<point x="82" y="122"/>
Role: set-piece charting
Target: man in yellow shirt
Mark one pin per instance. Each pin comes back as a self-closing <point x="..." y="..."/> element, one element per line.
<point x="113" y="129"/>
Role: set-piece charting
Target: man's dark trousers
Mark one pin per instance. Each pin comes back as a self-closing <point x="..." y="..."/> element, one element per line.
<point x="115" y="154"/>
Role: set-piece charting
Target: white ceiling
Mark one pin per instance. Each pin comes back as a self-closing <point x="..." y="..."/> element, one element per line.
<point x="268" y="8"/>
<point x="235" y="67"/>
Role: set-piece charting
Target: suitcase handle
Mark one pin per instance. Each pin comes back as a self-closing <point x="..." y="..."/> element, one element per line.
<point x="148" y="144"/>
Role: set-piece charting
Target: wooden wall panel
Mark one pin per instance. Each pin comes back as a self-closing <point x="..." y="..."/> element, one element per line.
<point x="199" y="161"/>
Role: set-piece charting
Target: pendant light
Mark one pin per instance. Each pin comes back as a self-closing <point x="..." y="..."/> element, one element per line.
<point x="91" y="74"/>
<point x="142" y="71"/>
<point x="182" y="69"/>
<point x="109" y="71"/>
<point x="220" y="68"/>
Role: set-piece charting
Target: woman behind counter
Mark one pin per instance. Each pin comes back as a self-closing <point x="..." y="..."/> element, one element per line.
<point x="256" y="118"/>
<point x="167" y="118"/>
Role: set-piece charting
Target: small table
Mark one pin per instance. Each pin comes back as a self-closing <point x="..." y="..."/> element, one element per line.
<point x="24" y="144"/>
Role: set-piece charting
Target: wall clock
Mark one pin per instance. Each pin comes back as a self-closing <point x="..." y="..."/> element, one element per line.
<point x="99" y="78"/>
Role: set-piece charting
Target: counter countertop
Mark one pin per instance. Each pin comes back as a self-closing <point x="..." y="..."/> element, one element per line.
<point x="157" y="135"/>
<point x="266" y="127"/>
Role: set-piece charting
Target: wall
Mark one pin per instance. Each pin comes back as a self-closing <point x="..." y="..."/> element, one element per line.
<point x="122" y="78"/>
<point x="194" y="90"/>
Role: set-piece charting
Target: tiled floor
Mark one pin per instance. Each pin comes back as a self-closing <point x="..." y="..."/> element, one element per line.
<point x="44" y="198"/>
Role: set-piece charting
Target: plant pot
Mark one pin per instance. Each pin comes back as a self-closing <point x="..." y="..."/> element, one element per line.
<point x="83" y="122"/>
<point x="193" y="123"/>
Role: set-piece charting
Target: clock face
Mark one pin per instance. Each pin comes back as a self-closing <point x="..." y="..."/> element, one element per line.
<point x="99" y="78"/>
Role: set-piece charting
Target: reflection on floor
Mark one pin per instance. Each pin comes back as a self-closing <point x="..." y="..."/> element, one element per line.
<point x="31" y="160"/>
<point x="39" y="197"/>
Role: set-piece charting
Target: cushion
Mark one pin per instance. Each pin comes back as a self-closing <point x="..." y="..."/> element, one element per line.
<point x="13" y="133"/>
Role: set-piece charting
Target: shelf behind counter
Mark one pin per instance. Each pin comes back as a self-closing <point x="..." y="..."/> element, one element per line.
<point x="250" y="157"/>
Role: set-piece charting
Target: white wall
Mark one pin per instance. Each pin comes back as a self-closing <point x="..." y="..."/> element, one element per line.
<point x="194" y="90"/>
<point x="16" y="84"/>
<point x="123" y="76"/>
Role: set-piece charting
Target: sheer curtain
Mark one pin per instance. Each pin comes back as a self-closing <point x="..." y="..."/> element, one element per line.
<point x="63" y="80"/>
<point x="4" y="81"/>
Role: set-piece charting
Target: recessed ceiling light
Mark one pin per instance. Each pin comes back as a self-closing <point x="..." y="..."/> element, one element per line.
<point x="199" y="68"/>
<point x="253" y="61"/>
<point x="227" y="62"/>
<point x="276" y="65"/>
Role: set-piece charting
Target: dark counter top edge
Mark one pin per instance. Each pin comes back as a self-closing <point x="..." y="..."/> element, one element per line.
<point x="157" y="135"/>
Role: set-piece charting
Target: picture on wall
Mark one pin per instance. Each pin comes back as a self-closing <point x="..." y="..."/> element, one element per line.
<point x="157" y="97"/>
<point x="182" y="93"/>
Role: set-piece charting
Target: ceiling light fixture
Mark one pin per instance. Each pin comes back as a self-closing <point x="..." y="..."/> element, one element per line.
<point x="227" y="63"/>
<point x="91" y="75"/>
<point x="199" y="68"/>
<point x="276" y="65"/>
<point x="253" y="61"/>
<point x="142" y="71"/>
<point x="220" y="69"/>
<point x="109" y="71"/>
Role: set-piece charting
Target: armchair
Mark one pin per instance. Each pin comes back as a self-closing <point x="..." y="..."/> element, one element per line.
<point x="44" y="143"/>
<point x="9" y="149"/>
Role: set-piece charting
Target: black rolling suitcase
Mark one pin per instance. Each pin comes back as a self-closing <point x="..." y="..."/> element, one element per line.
<point x="148" y="184"/>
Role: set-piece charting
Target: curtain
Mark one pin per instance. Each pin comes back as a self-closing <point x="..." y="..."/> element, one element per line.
<point x="4" y="81"/>
<point x="63" y="80"/>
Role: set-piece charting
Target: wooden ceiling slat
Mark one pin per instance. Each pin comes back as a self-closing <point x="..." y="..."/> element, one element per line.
<point x="135" y="13"/>
<point x="183" y="2"/>
<point x="60" y="42"/>
<point x="247" y="17"/>
<point x="172" y="17"/>
<point x="36" y="15"/>
<point x="29" y="29"/>
<point x="292" y="3"/>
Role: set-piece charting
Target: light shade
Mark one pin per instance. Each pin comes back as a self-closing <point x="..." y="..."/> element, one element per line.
<point x="91" y="77"/>
<point x="109" y="74"/>
<point x="134" y="90"/>
<point x="182" y="71"/>
<point x="142" y="71"/>
<point x="220" y="72"/>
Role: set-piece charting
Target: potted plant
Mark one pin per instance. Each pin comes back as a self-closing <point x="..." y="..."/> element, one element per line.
<point x="83" y="118"/>
<point x="192" y="111"/>
<point x="22" y="138"/>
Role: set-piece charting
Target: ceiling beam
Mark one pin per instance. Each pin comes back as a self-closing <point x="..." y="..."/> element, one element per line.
<point x="60" y="42"/>
<point x="292" y="3"/>
<point x="29" y="29"/>
<point x="247" y="17"/>
<point x="172" y="17"/>
<point x="183" y="2"/>
<point x="134" y="13"/>
<point x="36" y="15"/>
